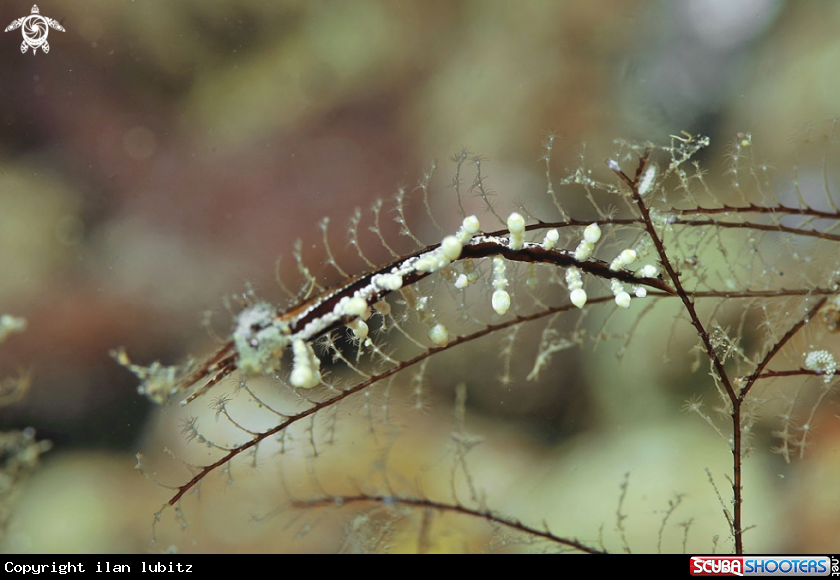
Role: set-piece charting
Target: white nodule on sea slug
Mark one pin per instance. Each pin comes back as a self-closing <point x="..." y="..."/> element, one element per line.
<point x="501" y="301"/>
<point x="516" y="226"/>
<point x="439" y="335"/>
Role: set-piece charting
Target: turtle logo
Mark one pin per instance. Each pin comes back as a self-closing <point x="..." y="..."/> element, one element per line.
<point x="35" y="30"/>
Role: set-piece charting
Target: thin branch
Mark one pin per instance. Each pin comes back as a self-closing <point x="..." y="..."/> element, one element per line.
<point x="390" y="500"/>
<point x="778" y="346"/>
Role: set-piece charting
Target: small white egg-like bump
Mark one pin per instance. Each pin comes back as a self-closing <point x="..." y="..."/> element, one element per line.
<point x="592" y="233"/>
<point x="439" y="335"/>
<point x="451" y="248"/>
<point x="500" y="301"/>
<point x="623" y="299"/>
<point x="578" y="297"/>
<point x="471" y="224"/>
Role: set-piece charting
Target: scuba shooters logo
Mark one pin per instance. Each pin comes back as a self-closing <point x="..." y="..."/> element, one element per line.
<point x="762" y="565"/>
<point x="35" y="29"/>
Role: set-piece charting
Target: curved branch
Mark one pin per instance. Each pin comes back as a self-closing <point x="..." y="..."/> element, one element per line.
<point x="488" y="515"/>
